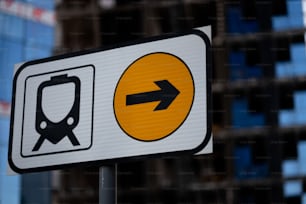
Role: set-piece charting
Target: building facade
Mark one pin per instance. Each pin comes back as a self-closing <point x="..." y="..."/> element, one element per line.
<point x="26" y="33"/>
<point x="258" y="96"/>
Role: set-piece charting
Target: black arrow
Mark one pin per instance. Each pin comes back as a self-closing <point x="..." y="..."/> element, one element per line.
<point x="165" y="95"/>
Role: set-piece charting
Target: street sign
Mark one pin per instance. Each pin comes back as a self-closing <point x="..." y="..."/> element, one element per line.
<point x="142" y="99"/>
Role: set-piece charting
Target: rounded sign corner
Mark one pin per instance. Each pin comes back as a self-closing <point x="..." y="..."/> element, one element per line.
<point x="203" y="36"/>
<point x="20" y="68"/>
<point x="13" y="166"/>
<point x="204" y="142"/>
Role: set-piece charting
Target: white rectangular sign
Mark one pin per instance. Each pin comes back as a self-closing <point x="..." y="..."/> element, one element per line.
<point x="150" y="98"/>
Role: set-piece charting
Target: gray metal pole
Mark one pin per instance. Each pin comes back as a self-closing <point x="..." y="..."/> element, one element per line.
<point x="107" y="184"/>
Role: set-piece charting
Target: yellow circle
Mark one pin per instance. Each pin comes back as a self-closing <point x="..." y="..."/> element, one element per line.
<point x="146" y="110"/>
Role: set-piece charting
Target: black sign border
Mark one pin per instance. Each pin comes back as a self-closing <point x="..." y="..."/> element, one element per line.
<point x="206" y="140"/>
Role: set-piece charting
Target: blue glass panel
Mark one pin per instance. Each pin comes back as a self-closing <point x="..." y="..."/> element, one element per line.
<point x="239" y="109"/>
<point x="304" y="199"/>
<point x="239" y="69"/>
<point x="253" y="72"/>
<point x="2" y="71"/>
<point x="11" y="53"/>
<point x="241" y="117"/>
<point x="295" y="8"/>
<point x="9" y="185"/>
<point x="297" y="52"/>
<point x="4" y="131"/>
<point x="242" y="155"/>
<point x="296" y="21"/>
<point x="2" y="18"/>
<point x="297" y="115"/>
<point x="286" y="118"/>
<point x="302" y="157"/>
<point x="234" y="20"/>
<point x="237" y="63"/>
<point x="244" y="167"/>
<point x="294" y="18"/>
<point x="284" y="69"/>
<point x="250" y="26"/>
<point x="296" y="66"/>
<point x="13" y="26"/>
<point x="300" y="101"/>
<point x="39" y="34"/>
<point x="299" y="68"/>
<point x="280" y="23"/>
<point x="290" y="168"/>
<point x="298" y="56"/>
<point x="236" y="23"/>
<point x="35" y="52"/>
<point x="292" y="188"/>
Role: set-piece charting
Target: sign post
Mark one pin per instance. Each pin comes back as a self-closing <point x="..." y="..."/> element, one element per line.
<point x="149" y="98"/>
<point x="107" y="184"/>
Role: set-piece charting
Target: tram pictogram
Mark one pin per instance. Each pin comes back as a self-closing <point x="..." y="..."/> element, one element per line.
<point x="56" y="131"/>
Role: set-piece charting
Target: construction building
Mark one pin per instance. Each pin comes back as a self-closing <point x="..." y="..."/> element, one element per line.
<point x="259" y="95"/>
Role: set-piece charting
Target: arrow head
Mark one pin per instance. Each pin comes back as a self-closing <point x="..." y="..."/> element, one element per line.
<point x="167" y="94"/>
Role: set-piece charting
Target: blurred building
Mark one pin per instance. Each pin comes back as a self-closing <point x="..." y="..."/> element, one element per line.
<point x="26" y="33"/>
<point x="259" y="97"/>
<point x="259" y="94"/>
